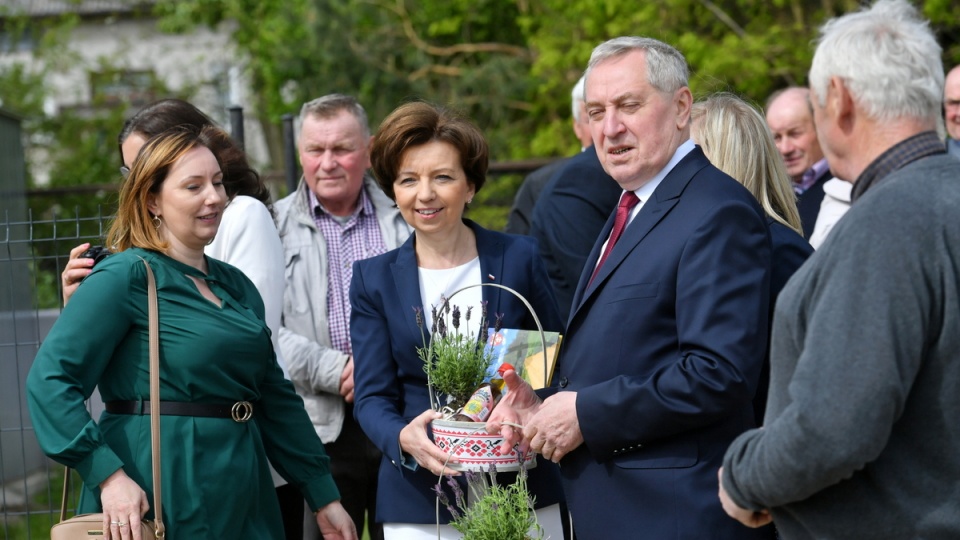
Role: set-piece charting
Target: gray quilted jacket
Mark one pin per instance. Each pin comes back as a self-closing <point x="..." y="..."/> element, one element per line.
<point x="313" y="365"/>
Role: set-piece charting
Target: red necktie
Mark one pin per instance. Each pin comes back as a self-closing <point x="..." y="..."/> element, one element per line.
<point x="628" y="200"/>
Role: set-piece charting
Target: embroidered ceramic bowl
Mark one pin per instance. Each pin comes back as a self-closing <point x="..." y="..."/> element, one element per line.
<point x="474" y="448"/>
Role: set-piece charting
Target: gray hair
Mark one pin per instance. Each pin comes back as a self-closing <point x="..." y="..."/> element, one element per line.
<point x="577" y="98"/>
<point x="887" y="56"/>
<point x="330" y="105"/>
<point x="667" y="69"/>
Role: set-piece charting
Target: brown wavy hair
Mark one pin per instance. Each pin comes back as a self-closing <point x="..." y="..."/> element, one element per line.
<point x="133" y="225"/>
<point x="417" y="123"/>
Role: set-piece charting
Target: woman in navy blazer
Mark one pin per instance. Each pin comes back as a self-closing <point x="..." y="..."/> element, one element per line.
<point x="736" y="139"/>
<point x="432" y="164"/>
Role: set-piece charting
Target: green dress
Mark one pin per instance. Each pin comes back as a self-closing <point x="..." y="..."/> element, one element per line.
<point x="216" y="482"/>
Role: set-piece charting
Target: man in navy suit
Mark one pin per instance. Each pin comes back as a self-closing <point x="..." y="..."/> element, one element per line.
<point x="668" y="330"/>
<point x="580" y="193"/>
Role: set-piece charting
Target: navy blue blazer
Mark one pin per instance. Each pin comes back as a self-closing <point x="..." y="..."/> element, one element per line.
<point x="391" y="386"/>
<point x="789" y="253"/>
<point x="808" y="203"/>
<point x="567" y="218"/>
<point x="531" y="189"/>
<point x="664" y="349"/>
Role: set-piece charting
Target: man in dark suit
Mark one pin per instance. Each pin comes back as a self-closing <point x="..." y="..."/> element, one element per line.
<point x="521" y="214"/>
<point x="667" y="335"/>
<point x="568" y="217"/>
<point x="790" y="117"/>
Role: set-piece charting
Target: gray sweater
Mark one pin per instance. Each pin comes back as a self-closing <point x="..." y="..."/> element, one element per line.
<point x="863" y="421"/>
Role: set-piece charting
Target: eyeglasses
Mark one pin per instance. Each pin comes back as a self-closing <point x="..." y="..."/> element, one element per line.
<point x="125" y="171"/>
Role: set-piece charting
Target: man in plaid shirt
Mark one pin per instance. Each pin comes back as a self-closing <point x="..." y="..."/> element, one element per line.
<point x="336" y="216"/>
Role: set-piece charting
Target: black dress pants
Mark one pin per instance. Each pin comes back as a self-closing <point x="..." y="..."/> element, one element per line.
<point x="355" y="463"/>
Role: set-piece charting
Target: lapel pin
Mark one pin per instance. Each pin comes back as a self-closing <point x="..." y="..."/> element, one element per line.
<point x="491" y="277"/>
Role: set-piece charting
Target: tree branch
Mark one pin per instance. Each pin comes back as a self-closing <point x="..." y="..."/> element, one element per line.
<point x="449" y="71"/>
<point x="460" y="48"/>
<point x="724" y="18"/>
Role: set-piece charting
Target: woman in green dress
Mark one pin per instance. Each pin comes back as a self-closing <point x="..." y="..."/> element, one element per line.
<point x="215" y="350"/>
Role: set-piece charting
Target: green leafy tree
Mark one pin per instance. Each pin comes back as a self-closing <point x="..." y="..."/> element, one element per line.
<point x="508" y="64"/>
<point x="468" y="54"/>
<point x="750" y="47"/>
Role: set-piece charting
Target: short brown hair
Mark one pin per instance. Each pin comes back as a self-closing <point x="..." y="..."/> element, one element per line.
<point x="417" y="123"/>
<point x="133" y="225"/>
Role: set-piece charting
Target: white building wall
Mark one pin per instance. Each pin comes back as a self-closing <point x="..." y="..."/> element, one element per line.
<point x="205" y="62"/>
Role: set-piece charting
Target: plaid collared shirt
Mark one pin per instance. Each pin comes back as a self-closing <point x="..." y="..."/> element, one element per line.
<point x="356" y="238"/>
<point x="810" y="176"/>
<point x="904" y="152"/>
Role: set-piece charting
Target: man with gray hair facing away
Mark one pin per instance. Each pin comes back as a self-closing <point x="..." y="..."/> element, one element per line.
<point x="861" y="438"/>
<point x="336" y="216"/>
<point x="570" y="213"/>
<point x="521" y="214"/>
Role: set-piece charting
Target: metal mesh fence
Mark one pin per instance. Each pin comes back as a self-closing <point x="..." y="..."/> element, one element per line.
<point x="33" y="252"/>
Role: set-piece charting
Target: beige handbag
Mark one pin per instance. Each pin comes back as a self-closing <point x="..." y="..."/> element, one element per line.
<point x="90" y="526"/>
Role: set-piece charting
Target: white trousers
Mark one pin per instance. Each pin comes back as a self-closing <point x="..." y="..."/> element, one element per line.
<point x="548" y="517"/>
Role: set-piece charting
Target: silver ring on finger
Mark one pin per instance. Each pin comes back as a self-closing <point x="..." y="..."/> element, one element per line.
<point x="115" y="523"/>
<point x="122" y="524"/>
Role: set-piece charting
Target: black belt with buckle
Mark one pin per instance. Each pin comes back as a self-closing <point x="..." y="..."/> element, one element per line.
<point x="241" y="411"/>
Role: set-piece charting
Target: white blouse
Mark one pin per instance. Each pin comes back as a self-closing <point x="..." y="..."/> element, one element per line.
<point x="438" y="284"/>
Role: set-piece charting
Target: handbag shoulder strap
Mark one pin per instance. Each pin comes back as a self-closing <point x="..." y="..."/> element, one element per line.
<point x="155" y="397"/>
<point x="154" y="326"/>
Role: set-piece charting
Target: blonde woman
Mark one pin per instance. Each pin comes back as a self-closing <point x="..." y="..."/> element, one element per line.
<point x="735" y="138"/>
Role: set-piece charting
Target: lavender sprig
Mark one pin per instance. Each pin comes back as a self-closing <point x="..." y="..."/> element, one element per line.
<point x="444" y="500"/>
<point x="442" y="328"/>
<point x="484" y="325"/>
<point x="455" y="318"/>
<point x="457" y="492"/>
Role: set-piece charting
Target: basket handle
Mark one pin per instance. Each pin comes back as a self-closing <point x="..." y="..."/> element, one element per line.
<point x="543" y="338"/>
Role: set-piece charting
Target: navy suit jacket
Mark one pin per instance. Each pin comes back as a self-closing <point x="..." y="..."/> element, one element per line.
<point x="518" y="220"/>
<point x="664" y="349"/>
<point x="391" y="386"/>
<point x="789" y="253"/>
<point x="808" y="204"/>
<point x="568" y="217"/>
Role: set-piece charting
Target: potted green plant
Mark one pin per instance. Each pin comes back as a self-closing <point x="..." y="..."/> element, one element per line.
<point x="455" y="363"/>
<point x="493" y="511"/>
